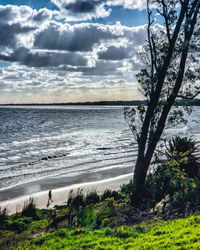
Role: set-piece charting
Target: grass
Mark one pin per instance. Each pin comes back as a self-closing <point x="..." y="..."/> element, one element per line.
<point x="153" y="234"/>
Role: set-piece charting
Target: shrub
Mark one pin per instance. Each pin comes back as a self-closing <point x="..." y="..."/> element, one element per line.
<point x="176" y="175"/>
<point x="185" y="203"/>
<point x="116" y="195"/>
<point x="166" y="180"/>
<point x="29" y="209"/>
<point x="4" y="223"/>
<point x="88" y="217"/>
<point x="76" y="200"/>
<point x="105" y="211"/>
<point x="19" y="226"/>
<point x="181" y="150"/>
<point x="110" y="194"/>
<point x="92" y="198"/>
<point x="3" y="214"/>
<point x="106" y="194"/>
<point x="127" y="188"/>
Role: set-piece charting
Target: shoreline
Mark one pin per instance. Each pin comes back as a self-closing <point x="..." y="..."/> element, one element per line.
<point x="60" y="195"/>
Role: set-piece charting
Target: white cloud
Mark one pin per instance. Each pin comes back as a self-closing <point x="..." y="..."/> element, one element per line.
<point x="45" y="58"/>
<point x="79" y="37"/>
<point x="129" y="4"/>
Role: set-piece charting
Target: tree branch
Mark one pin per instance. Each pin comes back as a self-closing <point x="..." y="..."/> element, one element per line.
<point x="188" y="97"/>
<point x="150" y="22"/>
<point x="165" y="15"/>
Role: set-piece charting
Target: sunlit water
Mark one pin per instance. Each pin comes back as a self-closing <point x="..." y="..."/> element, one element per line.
<point x="39" y="142"/>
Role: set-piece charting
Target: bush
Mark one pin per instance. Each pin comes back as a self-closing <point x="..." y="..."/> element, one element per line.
<point x="19" y="226"/>
<point x="116" y="195"/>
<point x="185" y="203"/>
<point x="88" y="217"/>
<point x="106" y="194"/>
<point x="76" y="200"/>
<point x="127" y="188"/>
<point x="3" y="214"/>
<point x="3" y="218"/>
<point x="176" y="176"/>
<point x="110" y="194"/>
<point x="166" y="180"/>
<point x="181" y="150"/>
<point x="30" y="210"/>
<point x="92" y="198"/>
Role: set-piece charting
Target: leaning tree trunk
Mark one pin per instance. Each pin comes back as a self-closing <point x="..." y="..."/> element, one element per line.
<point x="139" y="177"/>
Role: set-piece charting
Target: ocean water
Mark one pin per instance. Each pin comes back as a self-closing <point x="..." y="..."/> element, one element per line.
<point x="69" y="142"/>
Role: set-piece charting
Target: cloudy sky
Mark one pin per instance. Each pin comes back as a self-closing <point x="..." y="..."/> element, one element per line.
<point x="70" y="50"/>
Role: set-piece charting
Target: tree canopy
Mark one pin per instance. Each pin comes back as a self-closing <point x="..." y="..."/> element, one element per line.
<point x="169" y="77"/>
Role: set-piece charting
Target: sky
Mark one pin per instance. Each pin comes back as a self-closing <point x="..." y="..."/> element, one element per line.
<point x="56" y="51"/>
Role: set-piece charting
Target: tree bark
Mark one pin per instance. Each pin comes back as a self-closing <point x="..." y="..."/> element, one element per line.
<point x="139" y="177"/>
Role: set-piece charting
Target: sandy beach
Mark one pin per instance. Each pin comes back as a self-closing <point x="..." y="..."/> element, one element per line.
<point x="60" y="195"/>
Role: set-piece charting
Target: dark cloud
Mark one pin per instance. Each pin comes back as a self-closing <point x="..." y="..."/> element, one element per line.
<point x="6" y="14"/>
<point x="8" y="33"/>
<point x="81" y="10"/>
<point x="80" y="37"/>
<point x="100" y="69"/>
<point x="45" y="59"/>
<point x="82" y="6"/>
<point x="114" y="53"/>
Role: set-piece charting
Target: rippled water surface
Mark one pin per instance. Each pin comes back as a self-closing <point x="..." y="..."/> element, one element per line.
<point x="68" y="141"/>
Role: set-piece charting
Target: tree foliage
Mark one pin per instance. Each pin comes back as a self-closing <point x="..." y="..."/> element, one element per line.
<point x="169" y="77"/>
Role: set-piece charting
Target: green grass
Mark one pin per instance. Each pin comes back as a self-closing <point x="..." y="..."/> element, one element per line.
<point x="155" y="234"/>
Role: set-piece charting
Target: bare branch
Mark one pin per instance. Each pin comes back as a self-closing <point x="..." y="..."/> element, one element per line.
<point x="187" y="97"/>
<point x="149" y="37"/>
<point x="166" y="17"/>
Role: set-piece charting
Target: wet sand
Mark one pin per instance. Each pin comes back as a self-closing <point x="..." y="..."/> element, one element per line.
<point x="59" y="194"/>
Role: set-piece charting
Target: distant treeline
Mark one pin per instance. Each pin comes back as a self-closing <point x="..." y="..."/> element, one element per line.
<point x="102" y="103"/>
<point x="195" y="102"/>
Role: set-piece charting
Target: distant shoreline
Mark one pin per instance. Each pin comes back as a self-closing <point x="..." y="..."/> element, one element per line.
<point x="102" y="103"/>
<point x="195" y="102"/>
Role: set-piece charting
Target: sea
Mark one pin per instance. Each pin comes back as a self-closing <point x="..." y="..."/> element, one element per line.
<point x="73" y="144"/>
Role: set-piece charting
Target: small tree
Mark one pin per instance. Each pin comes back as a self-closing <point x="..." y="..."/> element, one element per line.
<point x="170" y="74"/>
